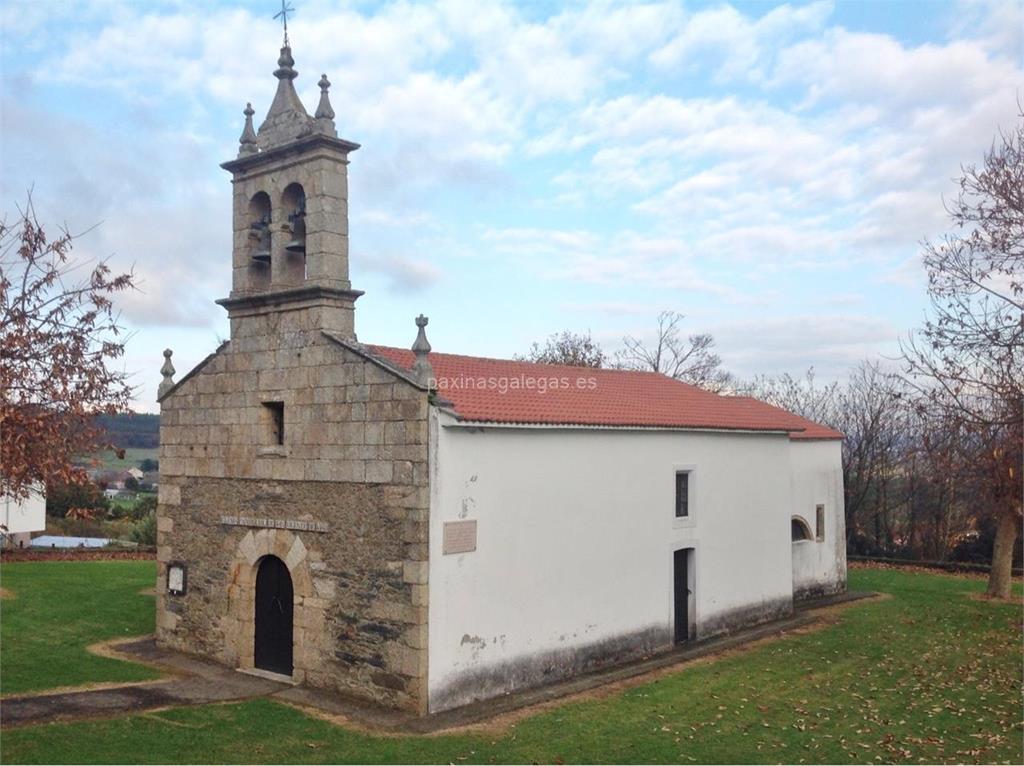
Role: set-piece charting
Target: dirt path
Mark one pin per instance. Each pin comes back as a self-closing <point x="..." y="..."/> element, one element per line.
<point x="192" y="682"/>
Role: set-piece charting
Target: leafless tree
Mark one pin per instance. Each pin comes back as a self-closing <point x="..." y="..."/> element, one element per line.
<point x="690" y="359"/>
<point x="804" y="396"/>
<point x="867" y="409"/>
<point x="968" y="358"/>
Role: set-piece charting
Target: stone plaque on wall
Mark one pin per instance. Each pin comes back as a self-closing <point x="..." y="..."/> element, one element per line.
<point x="459" y="537"/>
<point x="250" y="521"/>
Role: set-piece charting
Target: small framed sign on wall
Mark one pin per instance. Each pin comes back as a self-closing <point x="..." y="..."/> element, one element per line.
<point x="459" y="537"/>
<point x="177" y="576"/>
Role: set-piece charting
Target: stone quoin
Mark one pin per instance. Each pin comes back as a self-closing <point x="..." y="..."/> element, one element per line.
<point x="420" y="529"/>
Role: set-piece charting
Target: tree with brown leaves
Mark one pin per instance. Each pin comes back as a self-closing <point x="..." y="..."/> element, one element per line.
<point x="968" y="359"/>
<point x="59" y="338"/>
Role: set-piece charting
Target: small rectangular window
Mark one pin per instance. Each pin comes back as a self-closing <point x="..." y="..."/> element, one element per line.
<point x="682" y="494"/>
<point x="274" y="416"/>
<point x="819" y="522"/>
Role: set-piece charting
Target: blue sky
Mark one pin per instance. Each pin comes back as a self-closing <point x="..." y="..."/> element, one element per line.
<point x="769" y="170"/>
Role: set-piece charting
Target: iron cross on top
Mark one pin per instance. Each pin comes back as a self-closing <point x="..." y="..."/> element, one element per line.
<point x="283" y="15"/>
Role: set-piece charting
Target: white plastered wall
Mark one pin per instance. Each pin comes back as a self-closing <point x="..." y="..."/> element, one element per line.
<point x="819" y="566"/>
<point x="575" y="535"/>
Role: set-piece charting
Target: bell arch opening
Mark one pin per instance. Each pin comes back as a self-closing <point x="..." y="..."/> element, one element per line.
<point x="260" y="240"/>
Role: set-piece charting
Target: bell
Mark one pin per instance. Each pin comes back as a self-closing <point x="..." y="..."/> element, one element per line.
<point x="297" y="227"/>
<point x="259" y="231"/>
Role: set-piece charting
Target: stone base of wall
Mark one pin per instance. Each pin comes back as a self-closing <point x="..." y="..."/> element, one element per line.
<point x="548" y="667"/>
<point x="744" y="617"/>
<point x="819" y="590"/>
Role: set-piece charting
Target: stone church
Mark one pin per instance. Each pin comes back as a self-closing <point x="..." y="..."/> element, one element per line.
<point x="421" y="530"/>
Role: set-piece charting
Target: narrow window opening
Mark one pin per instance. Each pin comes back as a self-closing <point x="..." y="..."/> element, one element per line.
<point x="682" y="494"/>
<point x="819" y="522"/>
<point x="275" y="421"/>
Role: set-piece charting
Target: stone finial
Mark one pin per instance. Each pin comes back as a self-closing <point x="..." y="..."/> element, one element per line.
<point x="167" y="370"/>
<point x="421" y="368"/>
<point x="247" y="140"/>
<point x="324" y="117"/>
<point x="286" y="64"/>
<point x="324" y="110"/>
<point x="287" y="119"/>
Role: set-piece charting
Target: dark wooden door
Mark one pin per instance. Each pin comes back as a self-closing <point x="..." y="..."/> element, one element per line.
<point x="681" y="592"/>
<point x="274" y="606"/>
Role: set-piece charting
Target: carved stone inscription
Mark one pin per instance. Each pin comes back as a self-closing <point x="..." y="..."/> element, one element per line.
<point x="250" y="521"/>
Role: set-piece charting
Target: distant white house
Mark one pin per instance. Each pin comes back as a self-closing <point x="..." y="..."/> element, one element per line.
<point x="21" y="518"/>
<point x="136" y="473"/>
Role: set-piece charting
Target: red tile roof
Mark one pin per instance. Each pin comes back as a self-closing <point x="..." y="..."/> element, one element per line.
<point x="811" y="430"/>
<point x="508" y="391"/>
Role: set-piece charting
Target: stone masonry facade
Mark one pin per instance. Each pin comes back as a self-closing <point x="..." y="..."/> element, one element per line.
<point x="354" y="459"/>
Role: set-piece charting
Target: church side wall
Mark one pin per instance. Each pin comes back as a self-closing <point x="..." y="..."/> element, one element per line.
<point x="819" y="566"/>
<point x="576" y="530"/>
<point x="354" y="462"/>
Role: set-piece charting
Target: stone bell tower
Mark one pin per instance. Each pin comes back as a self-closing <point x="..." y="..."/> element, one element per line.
<point x="290" y="245"/>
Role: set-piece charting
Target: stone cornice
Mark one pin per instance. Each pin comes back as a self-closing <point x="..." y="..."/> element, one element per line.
<point x="310" y="294"/>
<point x="277" y="153"/>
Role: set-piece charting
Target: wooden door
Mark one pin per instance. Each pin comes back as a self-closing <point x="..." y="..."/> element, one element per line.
<point x="274" y="610"/>
<point x="681" y="593"/>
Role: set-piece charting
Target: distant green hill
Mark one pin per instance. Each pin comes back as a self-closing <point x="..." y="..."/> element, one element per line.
<point x="131" y="430"/>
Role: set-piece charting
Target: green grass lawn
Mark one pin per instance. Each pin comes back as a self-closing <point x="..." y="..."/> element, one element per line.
<point x="109" y="460"/>
<point x="929" y="674"/>
<point x="128" y="501"/>
<point x="61" y="607"/>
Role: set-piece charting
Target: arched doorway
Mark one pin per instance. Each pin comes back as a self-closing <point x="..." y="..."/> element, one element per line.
<point x="274" y="611"/>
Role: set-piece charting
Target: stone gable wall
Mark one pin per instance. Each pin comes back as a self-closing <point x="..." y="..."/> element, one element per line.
<point x="354" y="459"/>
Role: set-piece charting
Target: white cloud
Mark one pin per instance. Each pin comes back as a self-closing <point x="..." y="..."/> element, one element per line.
<point x="997" y="24"/>
<point x="403" y="274"/>
<point x="628" y="257"/>
<point x="137" y="203"/>
<point x="611" y="308"/>
<point x="723" y="153"/>
<point x="877" y="69"/>
<point x="831" y="344"/>
<point x="393" y="219"/>
<point x="737" y="45"/>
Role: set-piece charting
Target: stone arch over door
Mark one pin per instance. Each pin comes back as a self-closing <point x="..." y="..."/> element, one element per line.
<point x="240" y="622"/>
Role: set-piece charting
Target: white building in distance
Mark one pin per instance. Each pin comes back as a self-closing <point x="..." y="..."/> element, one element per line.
<point x="20" y="518"/>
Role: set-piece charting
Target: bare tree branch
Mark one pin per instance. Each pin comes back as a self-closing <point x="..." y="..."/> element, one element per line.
<point x="691" y="359"/>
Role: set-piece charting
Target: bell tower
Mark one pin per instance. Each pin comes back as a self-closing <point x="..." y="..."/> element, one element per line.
<point x="290" y="212"/>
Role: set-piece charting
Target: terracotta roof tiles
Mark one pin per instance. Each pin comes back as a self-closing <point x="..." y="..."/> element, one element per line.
<point x="509" y="391"/>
